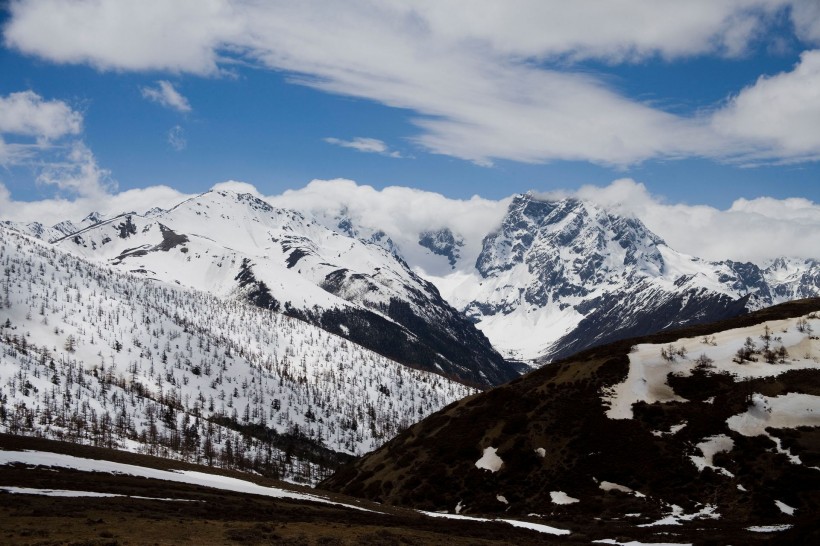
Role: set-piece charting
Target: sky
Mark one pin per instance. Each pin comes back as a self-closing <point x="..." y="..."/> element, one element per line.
<point x="703" y="103"/>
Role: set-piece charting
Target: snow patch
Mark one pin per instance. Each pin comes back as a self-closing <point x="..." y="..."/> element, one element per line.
<point x="611" y="486"/>
<point x="678" y="515"/>
<point x="674" y="429"/>
<point x="502" y="498"/>
<point x="769" y="528"/>
<point x="489" y="460"/>
<point x="785" y="508"/>
<point x="636" y="543"/>
<point x="515" y="523"/>
<point x="648" y="369"/>
<point x="541" y="452"/>
<point x="74" y="493"/>
<point x="58" y="460"/>
<point x="559" y="497"/>
<point x="709" y="447"/>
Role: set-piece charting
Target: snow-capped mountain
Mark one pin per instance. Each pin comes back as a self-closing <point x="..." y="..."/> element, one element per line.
<point x="92" y="355"/>
<point x="547" y="279"/>
<point x="232" y="244"/>
<point x="559" y="276"/>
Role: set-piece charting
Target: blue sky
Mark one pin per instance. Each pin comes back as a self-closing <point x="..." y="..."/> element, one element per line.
<point x="702" y="102"/>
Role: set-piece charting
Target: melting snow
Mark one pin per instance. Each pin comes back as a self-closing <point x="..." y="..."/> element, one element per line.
<point x="674" y="429"/>
<point x="515" y="523"/>
<point x="636" y="543"/>
<point x="73" y="493"/>
<point x="559" y="497"/>
<point x="785" y="508"/>
<point x="502" y="498"/>
<point x="41" y="458"/>
<point x="790" y="410"/>
<point x="677" y="516"/>
<point x="610" y="486"/>
<point x="646" y="379"/>
<point x="709" y="447"/>
<point x="541" y="452"/>
<point x="489" y="460"/>
<point x="769" y="528"/>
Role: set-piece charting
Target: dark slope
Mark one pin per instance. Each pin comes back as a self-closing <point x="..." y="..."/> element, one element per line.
<point x="559" y="408"/>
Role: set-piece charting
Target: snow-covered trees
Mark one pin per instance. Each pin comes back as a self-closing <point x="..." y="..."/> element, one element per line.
<point x="124" y="362"/>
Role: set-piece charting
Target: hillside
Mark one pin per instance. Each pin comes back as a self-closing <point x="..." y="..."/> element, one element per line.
<point x="646" y="431"/>
<point x="232" y="245"/>
<point x="94" y="356"/>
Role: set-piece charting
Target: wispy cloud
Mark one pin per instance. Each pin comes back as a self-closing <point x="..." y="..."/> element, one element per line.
<point x="176" y="138"/>
<point x="483" y="80"/>
<point x="367" y="145"/>
<point x="166" y="95"/>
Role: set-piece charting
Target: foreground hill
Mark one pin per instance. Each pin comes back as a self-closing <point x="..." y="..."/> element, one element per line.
<point x="58" y="493"/>
<point x="666" y="431"/>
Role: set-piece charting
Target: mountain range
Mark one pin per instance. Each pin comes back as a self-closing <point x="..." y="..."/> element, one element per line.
<point x="554" y="277"/>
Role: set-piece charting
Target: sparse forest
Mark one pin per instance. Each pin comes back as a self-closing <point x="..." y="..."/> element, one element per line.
<point x="97" y="357"/>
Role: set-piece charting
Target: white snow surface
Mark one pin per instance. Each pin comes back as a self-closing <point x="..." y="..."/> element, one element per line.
<point x="769" y="528"/>
<point x="489" y="460"/>
<point x="637" y="543"/>
<point x="514" y="522"/>
<point x="611" y="486"/>
<point x="708" y="448"/>
<point x="559" y="497"/>
<point x="75" y="493"/>
<point x="677" y="515"/>
<point x="789" y="410"/>
<point x="59" y="460"/>
<point x="646" y="379"/>
<point x="785" y="508"/>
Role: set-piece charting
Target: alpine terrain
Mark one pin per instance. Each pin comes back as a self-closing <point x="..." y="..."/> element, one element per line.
<point x="92" y="355"/>
<point x="551" y="277"/>
<point x="233" y="244"/>
<point x="703" y="433"/>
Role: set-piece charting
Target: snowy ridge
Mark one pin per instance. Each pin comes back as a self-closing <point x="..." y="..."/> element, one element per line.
<point x="559" y="276"/>
<point x="230" y="244"/>
<point x="95" y="356"/>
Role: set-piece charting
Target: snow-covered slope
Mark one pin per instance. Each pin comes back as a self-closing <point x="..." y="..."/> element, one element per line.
<point x="232" y="244"/>
<point x="96" y="356"/>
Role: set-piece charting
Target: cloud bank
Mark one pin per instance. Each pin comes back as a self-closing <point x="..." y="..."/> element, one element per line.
<point x="755" y="230"/>
<point x="485" y="80"/>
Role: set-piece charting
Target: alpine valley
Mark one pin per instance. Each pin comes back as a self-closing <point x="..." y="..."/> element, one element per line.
<point x="288" y="342"/>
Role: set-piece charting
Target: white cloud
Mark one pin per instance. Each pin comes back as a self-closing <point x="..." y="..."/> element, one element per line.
<point x="486" y="80"/>
<point x="77" y="173"/>
<point x="806" y="18"/>
<point x="403" y="213"/>
<point x="237" y="186"/>
<point x="166" y="95"/>
<point x="53" y="210"/>
<point x="754" y="230"/>
<point x="750" y="230"/>
<point x="176" y="138"/>
<point x="25" y="113"/>
<point x="363" y="144"/>
<point x="778" y="117"/>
